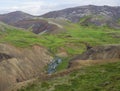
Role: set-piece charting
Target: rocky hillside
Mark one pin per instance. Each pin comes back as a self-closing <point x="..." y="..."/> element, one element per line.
<point x="98" y="15"/>
<point x="85" y="15"/>
<point x="18" y="64"/>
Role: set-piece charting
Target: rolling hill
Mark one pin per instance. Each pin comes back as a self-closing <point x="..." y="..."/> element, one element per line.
<point x="14" y="17"/>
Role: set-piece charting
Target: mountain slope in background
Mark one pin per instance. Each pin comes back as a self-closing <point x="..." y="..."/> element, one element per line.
<point x="98" y="15"/>
<point x="26" y="21"/>
<point x="85" y="15"/>
<point x="14" y="17"/>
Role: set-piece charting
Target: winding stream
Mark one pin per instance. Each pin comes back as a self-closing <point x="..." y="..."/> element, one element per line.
<point x="53" y="65"/>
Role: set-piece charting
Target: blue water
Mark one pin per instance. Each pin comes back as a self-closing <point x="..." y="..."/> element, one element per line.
<point x="53" y="65"/>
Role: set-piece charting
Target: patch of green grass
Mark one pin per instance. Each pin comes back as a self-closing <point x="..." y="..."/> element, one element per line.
<point x="64" y="64"/>
<point x="84" y="19"/>
<point x="45" y="85"/>
<point x="18" y="37"/>
<point x="92" y="35"/>
<point x="105" y="77"/>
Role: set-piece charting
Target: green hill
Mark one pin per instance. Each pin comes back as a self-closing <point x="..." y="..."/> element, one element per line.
<point x="73" y="41"/>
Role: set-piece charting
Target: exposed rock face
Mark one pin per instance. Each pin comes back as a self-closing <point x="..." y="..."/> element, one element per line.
<point x="101" y="52"/>
<point x="19" y="65"/>
<point x="36" y="25"/>
<point x="98" y="15"/>
<point x="97" y="55"/>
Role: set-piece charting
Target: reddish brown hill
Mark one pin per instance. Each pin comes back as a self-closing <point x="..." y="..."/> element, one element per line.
<point x="26" y="21"/>
<point x="36" y="25"/>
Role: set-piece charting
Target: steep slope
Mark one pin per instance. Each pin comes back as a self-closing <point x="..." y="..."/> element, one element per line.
<point x="18" y="64"/>
<point x="98" y="15"/>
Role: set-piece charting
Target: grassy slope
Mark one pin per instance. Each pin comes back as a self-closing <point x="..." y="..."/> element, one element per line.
<point x="72" y="41"/>
<point x="105" y="77"/>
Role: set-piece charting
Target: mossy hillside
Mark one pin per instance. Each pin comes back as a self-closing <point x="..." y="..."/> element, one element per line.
<point x="73" y="40"/>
